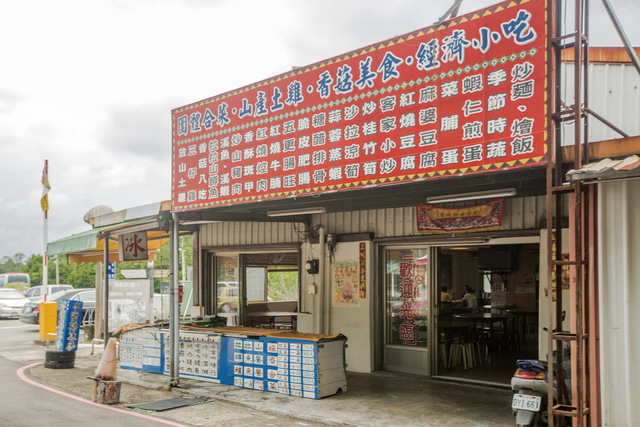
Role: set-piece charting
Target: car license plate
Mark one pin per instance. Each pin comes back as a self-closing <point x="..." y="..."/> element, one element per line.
<point x="527" y="402"/>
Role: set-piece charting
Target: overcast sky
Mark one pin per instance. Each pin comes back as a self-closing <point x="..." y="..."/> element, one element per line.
<point x="89" y="85"/>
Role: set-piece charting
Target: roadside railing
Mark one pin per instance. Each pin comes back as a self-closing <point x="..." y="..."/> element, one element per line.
<point x="88" y="317"/>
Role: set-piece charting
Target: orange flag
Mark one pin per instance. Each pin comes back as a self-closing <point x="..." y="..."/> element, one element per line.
<point x="44" y="201"/>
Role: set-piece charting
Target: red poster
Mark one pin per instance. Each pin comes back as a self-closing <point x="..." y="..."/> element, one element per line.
<point x="362" y="255"/>
<point x="465" y="97"/>
<point x="481" y="217"/>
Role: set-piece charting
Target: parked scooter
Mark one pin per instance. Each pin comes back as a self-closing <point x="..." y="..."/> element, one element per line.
<point x="530" y="385"/>
<point x="530" y="389"/>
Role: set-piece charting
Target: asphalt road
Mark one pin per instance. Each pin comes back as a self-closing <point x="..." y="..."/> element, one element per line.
<point x="26" y="404"/>
<point x="25" y="401"/>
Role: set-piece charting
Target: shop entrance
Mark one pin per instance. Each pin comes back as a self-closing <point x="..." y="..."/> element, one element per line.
<point x="251" y="287"/>
<point x="408" y="288"/>
<point x="432" y="328"/>
<point x="491" y="319"/>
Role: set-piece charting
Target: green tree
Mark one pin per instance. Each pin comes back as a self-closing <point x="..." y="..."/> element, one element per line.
<point x="162" y="261"/>
<point x="282" y="285"/>
<point x="33" y="266"/>
<point x="84" y="275"/>
<point x="14" y="264"/>
<point x="81" y="275"/>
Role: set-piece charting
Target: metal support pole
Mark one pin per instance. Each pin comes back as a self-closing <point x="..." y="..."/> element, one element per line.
<point x="622" y="34"/>
<point x="174" y="317"/>
<point x="322" y="292"/>
<point x="105" y="291"/>
<point x="450" y="13"/>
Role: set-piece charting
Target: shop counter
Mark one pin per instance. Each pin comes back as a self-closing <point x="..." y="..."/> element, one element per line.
<point x="286" y="362"/>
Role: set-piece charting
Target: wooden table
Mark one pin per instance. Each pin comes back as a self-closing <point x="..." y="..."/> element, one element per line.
<point x="489" y="318"/>
<point x="272" y="315"/>
<point x="527" y="323"/>
<point x="497" y="338"/>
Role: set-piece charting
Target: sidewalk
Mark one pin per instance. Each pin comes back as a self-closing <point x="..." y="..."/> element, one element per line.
<point x="378" y="399"/>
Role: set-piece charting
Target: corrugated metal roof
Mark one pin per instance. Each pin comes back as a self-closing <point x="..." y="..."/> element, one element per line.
<point x="610" y="55"/>
<point x="88" y="246"/>
<point x="614" y="93"/>
<point x="607" y="169"/>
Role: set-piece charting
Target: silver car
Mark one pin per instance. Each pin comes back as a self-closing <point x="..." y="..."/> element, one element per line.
<point x="11" y="302"/>
<point x="37" y="292"/>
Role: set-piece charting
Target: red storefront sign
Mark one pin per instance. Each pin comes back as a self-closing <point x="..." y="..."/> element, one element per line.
<point x="481" y="217"/>
<point x="465" y="97"/>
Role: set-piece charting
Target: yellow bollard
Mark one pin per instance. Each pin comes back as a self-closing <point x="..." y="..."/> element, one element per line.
<point x="48" y="319"/>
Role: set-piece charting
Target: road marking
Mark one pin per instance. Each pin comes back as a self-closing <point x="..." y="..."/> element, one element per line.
<point x="16" y="327"/>
<point x="23" y="377"/>
<point x="18" y="346"/>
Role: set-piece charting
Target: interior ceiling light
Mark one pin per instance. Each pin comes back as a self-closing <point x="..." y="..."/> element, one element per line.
<point x="301" y="211"/>
<point x="476" y="195"/>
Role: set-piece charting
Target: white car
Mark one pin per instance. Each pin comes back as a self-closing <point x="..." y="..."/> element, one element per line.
<point x="37" y="292"/>
<point x="11" y="302"/>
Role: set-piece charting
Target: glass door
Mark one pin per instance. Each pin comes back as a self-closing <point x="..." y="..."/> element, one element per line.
<point x="407" y="294"/>
<point x="250" y="287"/>
<point x="228" y="287"/>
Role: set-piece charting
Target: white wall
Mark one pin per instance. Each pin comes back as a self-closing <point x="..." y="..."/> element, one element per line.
<point x="353" y="321"/>
<point x="614" y="93"/>
<point x="619" y="282"/>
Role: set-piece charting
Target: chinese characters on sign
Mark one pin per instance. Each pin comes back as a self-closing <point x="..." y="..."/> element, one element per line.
<point x="362" y="255"/>
<point x="465" y="97"/>
<point x="133" y="246"/>
<point x="130" y="301"/>
<point x="482" y="217"/>
<point x="346" y="282"/>
<point x="69" y="322"/>
<point x="409" y="308"/>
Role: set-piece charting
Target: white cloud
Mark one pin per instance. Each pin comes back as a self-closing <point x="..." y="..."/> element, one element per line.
<point x="90" y="86"/>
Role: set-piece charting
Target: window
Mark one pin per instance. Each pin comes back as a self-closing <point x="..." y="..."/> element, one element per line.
<point x="407" y="296"/>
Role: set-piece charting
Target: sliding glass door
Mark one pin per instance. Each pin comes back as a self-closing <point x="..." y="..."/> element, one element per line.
<point x="407" y="311"/>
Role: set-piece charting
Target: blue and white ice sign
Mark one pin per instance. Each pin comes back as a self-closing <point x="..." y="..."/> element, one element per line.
<point x="111" y="270"/>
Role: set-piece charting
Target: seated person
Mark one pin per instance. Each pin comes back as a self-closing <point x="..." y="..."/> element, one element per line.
<point x="444" y="295"/>
<point x="469" y="298"/>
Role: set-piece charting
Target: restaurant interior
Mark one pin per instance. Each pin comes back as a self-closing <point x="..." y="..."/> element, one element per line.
<point x="483" y="343"/>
